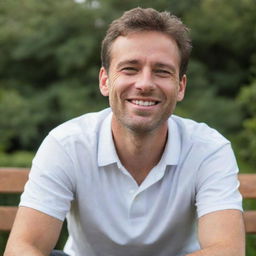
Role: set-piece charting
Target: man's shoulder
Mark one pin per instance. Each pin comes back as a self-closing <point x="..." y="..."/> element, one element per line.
<point x="198" y="133"/>
<point x="85" y="125"/>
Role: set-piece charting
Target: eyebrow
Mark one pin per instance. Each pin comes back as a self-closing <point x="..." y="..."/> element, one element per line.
<point x="127" y="62"/>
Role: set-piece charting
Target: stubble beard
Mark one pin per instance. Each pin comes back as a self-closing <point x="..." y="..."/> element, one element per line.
<point x="135" y="123"/>
<point x="142" y="127"/>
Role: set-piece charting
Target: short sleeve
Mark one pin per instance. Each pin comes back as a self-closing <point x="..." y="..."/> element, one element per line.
<point x="50" y="188"/>
<point x="217" y="182"/>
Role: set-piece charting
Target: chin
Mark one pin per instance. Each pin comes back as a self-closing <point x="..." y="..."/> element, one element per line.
<point x="142" y="127"/>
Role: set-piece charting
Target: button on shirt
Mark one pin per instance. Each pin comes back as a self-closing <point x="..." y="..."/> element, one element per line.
<point x="77" y="174"/>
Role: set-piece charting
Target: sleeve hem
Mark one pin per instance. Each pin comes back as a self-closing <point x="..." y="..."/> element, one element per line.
<point x="218" y="208"/>
<point x="42" y="209"/>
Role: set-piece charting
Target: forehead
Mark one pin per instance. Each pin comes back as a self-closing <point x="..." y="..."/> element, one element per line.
<point x="149" y="46"/>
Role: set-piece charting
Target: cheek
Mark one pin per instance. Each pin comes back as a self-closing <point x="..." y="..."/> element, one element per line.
<point x="118" y="88"/>
<point x="170" y="90"/>
<point x="114" y="94"/>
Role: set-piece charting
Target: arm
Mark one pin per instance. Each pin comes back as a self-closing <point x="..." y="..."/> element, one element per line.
<point x="33" y="234"/>
<point x="221" y="233"/>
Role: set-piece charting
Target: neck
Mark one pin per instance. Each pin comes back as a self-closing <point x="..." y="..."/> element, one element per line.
<point x="139" y="153"/>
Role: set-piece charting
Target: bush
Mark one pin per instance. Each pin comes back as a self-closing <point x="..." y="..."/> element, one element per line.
<point x="16" y="159"/>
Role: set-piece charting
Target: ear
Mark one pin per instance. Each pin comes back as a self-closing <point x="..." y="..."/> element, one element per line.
<point x="103" y="82"/>
<point x="182" y="88"/>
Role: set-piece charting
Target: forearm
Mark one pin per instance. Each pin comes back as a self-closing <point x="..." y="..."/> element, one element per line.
<point x="33" y="234"/>
<point x="221" y="233"/>
<point x="23" y="249"/>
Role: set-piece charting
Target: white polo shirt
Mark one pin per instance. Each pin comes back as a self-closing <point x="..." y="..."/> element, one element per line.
<point x="76" y="174"/>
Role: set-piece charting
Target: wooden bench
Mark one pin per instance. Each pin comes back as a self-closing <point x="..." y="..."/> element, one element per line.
<point x="12" y="180"/>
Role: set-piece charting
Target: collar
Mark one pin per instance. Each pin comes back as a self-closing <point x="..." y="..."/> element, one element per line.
<point x="106" y="149"/>
<point x="107" y="153"/>
<point x="172" y="150"/>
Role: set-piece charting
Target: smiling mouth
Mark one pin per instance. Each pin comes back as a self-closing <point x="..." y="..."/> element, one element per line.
<point x="144" y="103"/>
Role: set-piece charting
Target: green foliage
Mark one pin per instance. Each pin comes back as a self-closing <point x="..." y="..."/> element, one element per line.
<point x="224" y="39"/>
<point x="19" y="158"/>
<point x="15" y="119"/>
<point x="51" y="55"/>
<point x="3" y="239"/>
<point x="48" y="68"/>
<point x="247" y="99"/>
<point x="250" y="245"/>
<point x="203" y="103"/>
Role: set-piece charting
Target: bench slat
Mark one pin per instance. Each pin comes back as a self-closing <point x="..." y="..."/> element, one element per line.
<point x="250" y="221"/>
<point x="12" y="180"/>
<point x="247" y="185"/>
<point x="7" y="216"/>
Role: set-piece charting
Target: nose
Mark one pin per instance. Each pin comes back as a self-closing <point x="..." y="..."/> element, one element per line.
<point x="145" y="82"/>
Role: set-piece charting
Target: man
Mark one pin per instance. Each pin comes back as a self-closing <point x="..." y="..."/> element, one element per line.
<point x="134" y="179"/>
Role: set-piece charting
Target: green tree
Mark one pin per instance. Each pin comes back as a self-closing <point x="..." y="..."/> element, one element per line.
<point x="49" y="62"/>
<point x="50" y="56"/>
<point x="247" y="98"/>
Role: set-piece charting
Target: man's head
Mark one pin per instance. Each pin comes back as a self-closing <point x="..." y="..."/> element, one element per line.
<point x="139" y="19"/>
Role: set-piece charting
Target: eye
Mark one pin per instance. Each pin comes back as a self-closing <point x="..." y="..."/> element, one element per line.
<point x="129" y="70"/>
<point x="163" y="72"/>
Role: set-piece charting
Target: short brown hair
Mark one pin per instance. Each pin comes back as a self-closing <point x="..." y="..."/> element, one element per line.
<point x="148" y="19"/>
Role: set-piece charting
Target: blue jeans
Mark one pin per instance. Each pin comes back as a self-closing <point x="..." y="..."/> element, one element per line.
<point x="58" y="253"/>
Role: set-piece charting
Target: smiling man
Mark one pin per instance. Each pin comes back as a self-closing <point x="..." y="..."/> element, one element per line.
<point x="134" y="179"/>
<point x="143" y="86"/>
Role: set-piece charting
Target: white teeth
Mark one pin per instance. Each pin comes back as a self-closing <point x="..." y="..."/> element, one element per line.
<point x="144" y="103"/>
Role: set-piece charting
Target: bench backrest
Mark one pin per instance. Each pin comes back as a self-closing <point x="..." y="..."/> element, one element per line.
<point x="12" y="180"/>
<point x="248" y="191"/>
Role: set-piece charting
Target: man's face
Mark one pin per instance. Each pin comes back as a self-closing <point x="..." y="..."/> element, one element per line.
<point x="143" y="80"/>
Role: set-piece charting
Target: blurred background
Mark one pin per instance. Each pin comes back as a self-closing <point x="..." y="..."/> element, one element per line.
<point x="50" y="58"/>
